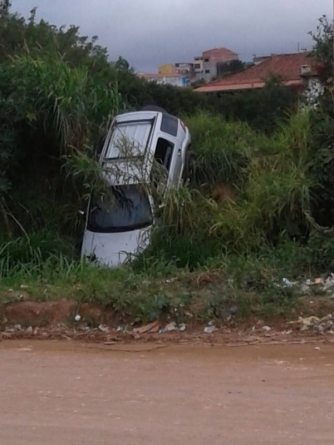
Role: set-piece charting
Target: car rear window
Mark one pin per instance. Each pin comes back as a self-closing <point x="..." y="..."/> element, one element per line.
<point x="169" y="124"/>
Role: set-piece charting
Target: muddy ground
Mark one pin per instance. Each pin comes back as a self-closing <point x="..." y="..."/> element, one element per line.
<point x="146" y="393"/>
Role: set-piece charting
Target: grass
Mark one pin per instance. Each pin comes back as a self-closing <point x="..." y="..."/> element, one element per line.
<point x="143" y="298"/>
<point x="142" y="294"/>
<point x="269" y="176"/>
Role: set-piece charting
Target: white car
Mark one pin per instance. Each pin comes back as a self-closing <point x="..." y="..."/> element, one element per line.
<point x="119" y="228"/>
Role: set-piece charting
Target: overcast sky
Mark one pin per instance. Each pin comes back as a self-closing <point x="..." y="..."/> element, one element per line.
<point x="151" y="32"/>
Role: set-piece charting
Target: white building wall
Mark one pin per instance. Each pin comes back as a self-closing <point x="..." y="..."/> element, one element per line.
<point x="169" y="80"/>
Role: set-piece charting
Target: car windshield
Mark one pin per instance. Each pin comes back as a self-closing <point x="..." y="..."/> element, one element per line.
<point x="128" y="208"/>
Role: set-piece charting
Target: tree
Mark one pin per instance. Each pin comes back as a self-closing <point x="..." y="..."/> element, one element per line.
<point x="323" y="125"/>
<point x="122" y="65"/>
<point x="5" y="6"/>
<point x="228" y="68"/>
<point x="323" y="52"/>
<point x="58" y="92"/>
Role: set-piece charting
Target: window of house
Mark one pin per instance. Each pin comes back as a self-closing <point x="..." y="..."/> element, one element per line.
<point x="207" y="71"/>
<point x="197" y="66"/>
<point x="206" y="60"/>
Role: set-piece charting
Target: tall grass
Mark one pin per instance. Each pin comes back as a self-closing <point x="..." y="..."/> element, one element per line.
<point x="271" y="180"/>
<point x="52" y="109"/>
<point x="62" y="98"/>
<point x="222" y="148"/>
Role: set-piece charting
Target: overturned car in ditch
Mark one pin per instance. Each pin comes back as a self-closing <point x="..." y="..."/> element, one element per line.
<point x="119" y="223"/>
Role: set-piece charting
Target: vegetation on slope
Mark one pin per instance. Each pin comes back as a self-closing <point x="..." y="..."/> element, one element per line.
<point x="261" y="200"/>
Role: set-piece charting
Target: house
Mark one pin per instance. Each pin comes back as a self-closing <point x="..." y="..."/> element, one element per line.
<point x="206" y="65"/>
<point x="294" y="70"/>
<point x="173" y="79"/>
<point x="175" y="74"/>
<point x="184" y="68"/>
<point x="178" y="68"/>
<point x="167" y="68"/>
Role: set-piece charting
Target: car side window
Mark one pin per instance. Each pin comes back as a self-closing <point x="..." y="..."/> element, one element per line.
<point x="164" y="153"/>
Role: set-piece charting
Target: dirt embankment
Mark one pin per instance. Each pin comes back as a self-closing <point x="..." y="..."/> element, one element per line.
<point x="86" y="322"/>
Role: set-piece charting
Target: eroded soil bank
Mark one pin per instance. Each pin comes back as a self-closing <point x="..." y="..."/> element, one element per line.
<point x="90" y="323"/>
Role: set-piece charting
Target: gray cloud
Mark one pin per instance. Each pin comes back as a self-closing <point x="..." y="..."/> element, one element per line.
<point x="150" y="32"/>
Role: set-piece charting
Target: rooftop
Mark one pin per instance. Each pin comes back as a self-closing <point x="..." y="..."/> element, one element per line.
<point x="219" y="52"/>
<point x="286" y="66"/>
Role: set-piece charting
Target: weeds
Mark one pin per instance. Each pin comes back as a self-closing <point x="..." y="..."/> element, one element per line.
<point x="145" y="296"/>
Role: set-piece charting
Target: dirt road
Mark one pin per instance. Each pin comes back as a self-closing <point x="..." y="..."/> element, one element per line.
<point x="64" y="393"/>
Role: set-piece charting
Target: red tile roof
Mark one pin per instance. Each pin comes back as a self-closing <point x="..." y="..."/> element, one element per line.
<point x="220" y="53"/>
<point x="286" y="66"/>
